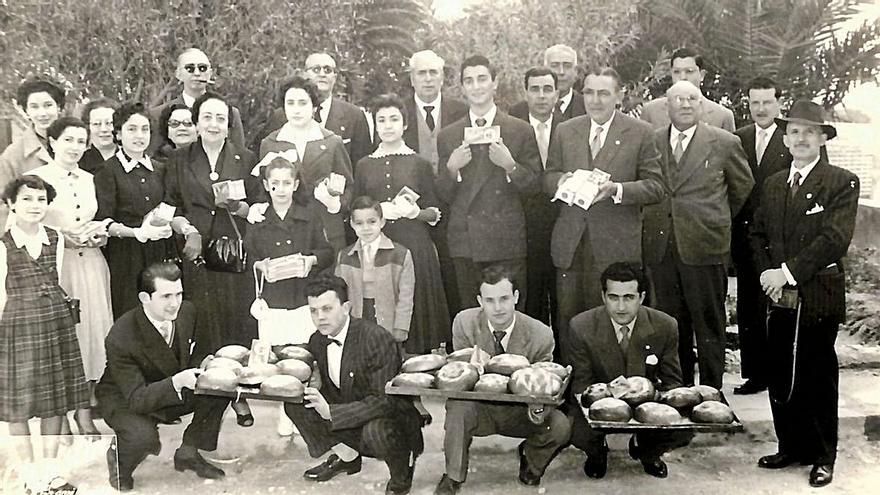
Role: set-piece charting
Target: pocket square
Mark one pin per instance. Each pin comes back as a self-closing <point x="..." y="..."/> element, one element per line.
<point x="817" y="208"/>
<point x="345" y="140"/>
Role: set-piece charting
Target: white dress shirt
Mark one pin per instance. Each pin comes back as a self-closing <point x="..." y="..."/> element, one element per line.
<point x="805" y="171"/>
<point x="618" y="329"/>
<point x="334" y="353"/>
<point x="605" y="127"/>
<point x="543" y="141"/>
<point x="688" y="136"/>
<point x="506" y="338"/>
<point x="435" y="112"/>
<point x="188" y="100"/>
<point x="759" y="153"/>
<point x="566" y="100"/>
<point x="325" y="110"/>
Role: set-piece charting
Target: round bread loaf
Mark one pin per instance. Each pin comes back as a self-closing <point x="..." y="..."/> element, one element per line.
<point x="465" y="355"/>
<point x="712" y="411"/>
<point x="294" y="367"/>
<point x="707" y="393"/>
<point x="423" y="363"/>
<point x="418" y="380"/>
<point x="283" y="386"/>
<point x="222" y="379"/>
<point x="492" y="383"/>
<point x="610" y="409"/>
<point x="506" y="364"/>
<point x="555" y="368"/>
<point x="534" y="382"/>
<point x="456" y="376"/>
<point x="237" y="352"/>
<point x="593" y="393"/>
<point x="654" y="413"/>
<point x="254" y="375"/>
<point x="640" y="390"/>
<point x="681" y="397"/>
<point x="221" y="362"/>
<point x="296" y="352"/>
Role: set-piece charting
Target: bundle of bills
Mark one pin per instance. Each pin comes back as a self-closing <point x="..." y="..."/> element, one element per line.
<point x="581" y="188"/>
<point x="161" y="215"/>
<point x="228" y="190"/>
<point x="90" y="231"/>
<point x="482" y="135"/>
<point x="285" y="267"/>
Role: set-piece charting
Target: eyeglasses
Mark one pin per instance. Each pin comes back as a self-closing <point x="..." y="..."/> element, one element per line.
<point x="191" y="68"/>
<point x="317" y="69"/>
<point x="100" y="124"/>
<point x="174" y="124"/>
<point x="679" y="100"/>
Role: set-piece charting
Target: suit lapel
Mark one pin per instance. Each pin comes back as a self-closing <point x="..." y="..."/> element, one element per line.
<point x="183" y="333"/>
<point x="774" y="158"/>
<point x="313" y="150"/>
<point x="199" y="166"/>
<point x="484" y="338"/>
<point x="349" y="358"/>
<point x="605" y="158"/>
<point x="638" y="347"/>
<point x="696" y="154"/>
<point x="806" y="197"/>
<point x="607" y="339"/>
<point x="154" y="347"/>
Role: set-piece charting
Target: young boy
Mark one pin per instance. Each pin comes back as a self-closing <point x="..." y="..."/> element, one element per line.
<point x="379" y="272"/>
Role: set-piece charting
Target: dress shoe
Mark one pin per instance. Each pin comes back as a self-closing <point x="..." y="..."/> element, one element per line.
<point x="447" y="486"/>
<point x="121" y="482"/>
<point x="821" y="475"/>
<point x="652" y="465"/>
<point x="331" y="467"/>
<point x="749" y="387"/>
<point x="776" y="461"/>
<point x="401" y="486"/>
<point x="184" y="460"/>
<point x="597" y="465"/>
<point x="526" y="476"/>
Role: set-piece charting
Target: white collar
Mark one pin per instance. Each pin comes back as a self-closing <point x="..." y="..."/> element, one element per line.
<point x="340" y="337"/>
<point x="325" y="105"/>
<point x="805" y="171"/>
<point x="770" y="130"/>
<point x="288" y="135"/>
<point x="688" y="134"/>
<point x="60" y="172"/>
<point x="489" y="116"/>
<point x="605" y="126"/>
<point x="382" y="152"/>
<point x="129" y="165"/>
<point x="566" y="100"/>
<point x="534" y="121"/>
<point x="22" y="238"/>
<point x="506" y="330"/>
<point x="422" y="104"/>
<point x="187" y="99"/>
<point x="384" y="242"/>
<point x="617" y="326"/>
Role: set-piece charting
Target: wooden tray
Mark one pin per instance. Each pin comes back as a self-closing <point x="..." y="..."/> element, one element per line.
<point x="481" y="396"/>
<point x="247" y="392"/>
<point x="633" y="426"/>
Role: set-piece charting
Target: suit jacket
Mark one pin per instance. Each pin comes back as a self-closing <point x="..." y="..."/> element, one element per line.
<point x="654" y="112"/>
<point x="140" y="364"/>
<point x="703" y="194"/>
<point x="596" y="357"/>
<point x="575" y="108"/>
<point x="631" y="157"/>
<point x="529" y="337"/>
<point x="236" y="129"/>
<point x="809" y="233"/>
<point x="345" y="120"/>
<point x="776" y="158"/>
<point x="486" y="219"/>
<point x="450" y="111"/>
<point x="369" y="360"/>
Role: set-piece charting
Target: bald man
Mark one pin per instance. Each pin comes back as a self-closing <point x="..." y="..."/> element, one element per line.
<point x="562" y="60"/>
<point x="686" y="237"/>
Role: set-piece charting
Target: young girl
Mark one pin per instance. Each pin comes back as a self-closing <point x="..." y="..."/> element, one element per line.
<point x="41" y="370"/>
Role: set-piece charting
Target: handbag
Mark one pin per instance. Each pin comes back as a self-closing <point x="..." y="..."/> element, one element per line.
<point x="224" y="253"/>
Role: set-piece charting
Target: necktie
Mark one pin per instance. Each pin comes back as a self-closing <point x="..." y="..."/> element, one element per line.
<point x="429" y="117"/>
<point x="368" y="255"/>
<point x="679" y="147"/>
<point x="543" y="141"/>
<point x="761" y="144"/>
<point x="596" y="143"/>
<point x="481" y="122"/>
<point x="333" y="341"/>
<point x="795" y="185"/>
<point x="499" y="334"/>
<point x="165" y="328"/>
<point x="558" y="108"/>
<point x="624" y="338"/>
<point x="318" y="113"/>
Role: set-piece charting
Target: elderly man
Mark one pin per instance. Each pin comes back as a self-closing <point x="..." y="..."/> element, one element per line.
<point x="688" y="66"/>
<point x="496" y="327"/>
<point x="802" y="230"/>
<point x="195" y="72"/>
<point x="686" y="237"/>
<point x="562" y="60"/>
<point x="334" y="114"/>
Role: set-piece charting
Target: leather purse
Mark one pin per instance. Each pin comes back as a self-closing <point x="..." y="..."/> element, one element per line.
<point x="224" y="253"/>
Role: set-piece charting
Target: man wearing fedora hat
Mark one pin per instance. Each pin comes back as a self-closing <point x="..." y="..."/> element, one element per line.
<point x="802" y="229"/>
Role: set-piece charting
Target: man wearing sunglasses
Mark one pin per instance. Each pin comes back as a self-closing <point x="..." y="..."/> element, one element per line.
<point x="194" y="71"/>
<point x="334" y="114"/>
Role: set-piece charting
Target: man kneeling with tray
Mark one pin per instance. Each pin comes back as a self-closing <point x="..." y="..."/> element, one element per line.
<point x="616" y="339"/>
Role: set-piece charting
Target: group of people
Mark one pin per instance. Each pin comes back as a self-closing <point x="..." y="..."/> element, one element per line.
<point x="421" y="235"/>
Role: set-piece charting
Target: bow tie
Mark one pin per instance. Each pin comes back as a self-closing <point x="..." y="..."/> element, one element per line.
<point x="333" y="341"/>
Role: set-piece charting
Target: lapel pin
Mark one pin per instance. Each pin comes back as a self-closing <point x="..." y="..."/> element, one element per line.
<point x="323" y="147"/>
<point x="342" y="128"/>
<point x="809" y="195"/>
<point x="213" y="176"/>
<point x="617" y="142"/>
<point x="351" y="374"/>
<point x="237" y="157"/>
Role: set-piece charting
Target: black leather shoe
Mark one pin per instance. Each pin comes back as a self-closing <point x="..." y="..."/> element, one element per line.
<point x="196" y="463"/>
<point x="331" y="467"/>
<point x="655" y="467"/>
<point x="749" y="387"/>
<point x="400" y="487"/>
<point x="526" y="476"/>
<point x="447" y="486"/>
<point x="120" y="482"/>
<point x="597" y="465"/>
<point x="821" y="475"/>
<point x="776" y="461"/>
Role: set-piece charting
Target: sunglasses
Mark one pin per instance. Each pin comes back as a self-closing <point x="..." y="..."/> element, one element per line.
<point x="191" y="68"/>
<point x="174" y="124"/>
<point x="317" y="69"/>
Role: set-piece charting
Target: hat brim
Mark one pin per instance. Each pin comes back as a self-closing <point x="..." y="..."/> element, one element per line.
<point x="827" y="129"/>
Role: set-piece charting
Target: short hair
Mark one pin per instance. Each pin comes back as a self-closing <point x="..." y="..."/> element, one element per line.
<point x="325" y="282"/>
<point x="538" y="72"/>
<point x="165" y="116"/>
<point x="165" y="270"/>
<point x="604" y="71"/>
<point x="279" y="163"/>
<point x="388" y="100"/>
<point x="476" y="61"/>
<point x="126" y="110"/>
<point x="298" y="81"/>
<point x="57" y="128"/>
<point x="493" y="274"/>
<point x="685" y="52"/>
<point x="29" y="87"/>
<point x="366" y="203"/>
<point x="188" y="51"/>
<point x="10" y="192"/>
<point x="561" y="48"/>
<point x="764" y="82"/>
<point x="426" y="54"/>
<point x="625" y="271"/>
<point x="209" y="95"/>
<point x="100" y="102"/>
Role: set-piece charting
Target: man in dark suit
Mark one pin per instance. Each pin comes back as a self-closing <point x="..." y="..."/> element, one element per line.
<point x="762" y="142"/>
<point x="428" y="111"/>
<point x="619" y="339"/>
<point x="562" y="60"/>
<point x="334" y="114"/>
<point x="484" y="183"/>
<point x="351" y="415"/>
<point x="802" y="230"/>
<point x="686" y="237"/>
<point x="194" y="71"/>
<point x="153" y="354"/>
<point x="497" y="328"/>
<point x="541" y="97"/>
<point x="585" y="242"/>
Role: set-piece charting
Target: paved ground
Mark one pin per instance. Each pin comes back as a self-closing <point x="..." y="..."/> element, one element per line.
<point x="713" y="463"/>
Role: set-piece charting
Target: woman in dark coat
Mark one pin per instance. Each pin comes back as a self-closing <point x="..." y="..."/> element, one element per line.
<point x="176" y="130"/>
<point x="98" y="114"/>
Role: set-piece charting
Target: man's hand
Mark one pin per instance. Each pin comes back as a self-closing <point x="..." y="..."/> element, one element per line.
<point x="606" y="190"/>
<point x="309" y="261"/>
<point x="500" y="156"/>
<point x="193" y="246"/>
<point x="186" y="379"/>
<point x="317" y="402"/>
<point x="772" y="282"/>
<point x="564" y="177"/>
<point x="460" y="157"/>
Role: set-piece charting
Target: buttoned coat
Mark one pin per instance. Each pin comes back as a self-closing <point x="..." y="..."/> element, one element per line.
<point x="450" y="111"/>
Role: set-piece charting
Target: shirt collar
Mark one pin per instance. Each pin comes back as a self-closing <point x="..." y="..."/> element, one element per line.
<point x="403" y="150"/>
<point x="803" y="171"/>
<point x="421" y="104"/>
<point x="505" y="330"/>
<point x="129" y="164"/>
<point x="62" y="173"/>
<point x="566" y="100"/>
<point x="605" y="126"/>
<point x="688" y="133"/>
<point x="187" y="99"/>
<point x="617" y="326"/>
<point x="325" y="105"/>
<point x="534" y="122"/>
<point x="340" y="337"/>
<point x="770" y="130"/>
<point x="381" y="242"/>
<point x="286" y="134"/>
<point x="489" y="116"/>
<point x="22" y="238"/>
